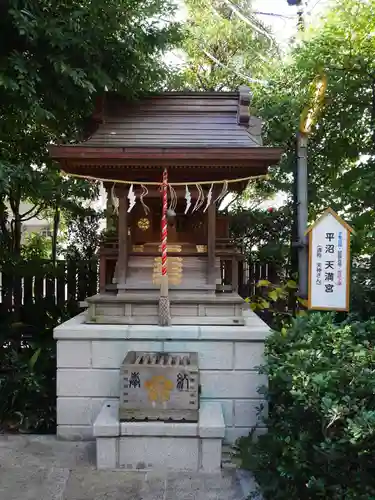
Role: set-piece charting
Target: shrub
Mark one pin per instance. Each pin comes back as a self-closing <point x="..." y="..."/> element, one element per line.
<point x="28" y="371"/>
<point x="321" y="426"/>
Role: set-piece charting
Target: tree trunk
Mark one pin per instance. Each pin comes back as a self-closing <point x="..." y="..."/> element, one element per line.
<point x="373" y="115"/>
<point x="15" y="201"/>
<point x="16" y="228"/>
<point x="4" y="230"/>
<point x="56" y="223"/>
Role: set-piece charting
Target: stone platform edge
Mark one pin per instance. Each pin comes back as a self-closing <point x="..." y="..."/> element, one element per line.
<point x="159" y="445"/>
<point x="76" y="328"/>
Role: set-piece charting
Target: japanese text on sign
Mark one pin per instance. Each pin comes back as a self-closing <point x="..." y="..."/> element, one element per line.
<point x="328" y="267"/>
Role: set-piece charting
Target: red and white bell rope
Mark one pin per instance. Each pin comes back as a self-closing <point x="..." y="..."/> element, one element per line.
<point x="164" y="224"/>
<point x="164" y="305"/>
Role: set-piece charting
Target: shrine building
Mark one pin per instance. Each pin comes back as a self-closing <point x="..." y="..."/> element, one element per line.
<point x="166" y="161"/>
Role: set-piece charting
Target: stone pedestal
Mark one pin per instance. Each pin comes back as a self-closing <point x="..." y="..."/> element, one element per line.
<point x="159" y="446"/>
<point x="89" y="358"/>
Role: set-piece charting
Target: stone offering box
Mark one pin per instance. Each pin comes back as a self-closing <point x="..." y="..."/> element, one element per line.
<point x="159" y="386"/>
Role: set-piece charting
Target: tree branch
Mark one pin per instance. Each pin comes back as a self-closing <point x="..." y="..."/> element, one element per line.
<point x="233" y="200"/>
<point x="40" y="209"/>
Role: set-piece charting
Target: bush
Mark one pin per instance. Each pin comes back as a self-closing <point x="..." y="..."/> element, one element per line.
<point x="27" y="347"/>
<point x="28" y="369"/>
<point x="321" y="426"/>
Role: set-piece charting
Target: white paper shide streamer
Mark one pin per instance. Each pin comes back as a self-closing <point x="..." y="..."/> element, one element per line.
<point x="200" y="199"/>
<point x="115" y="200"/>
<point x="188" y="199"/>
<point x="173" y="202"/>
<point x="132" y="198"/>
<point x="141" y="199"/>
<point x="209" y="198"/>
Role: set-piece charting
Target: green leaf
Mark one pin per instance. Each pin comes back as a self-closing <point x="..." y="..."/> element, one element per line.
<point x="264" y="304"/>
<point x="34" y="358"/>
<point x="291" y="284"/>
<point x="273" y="295"/>
<point x="261" y="283"/>
<point x="303" y="302"/>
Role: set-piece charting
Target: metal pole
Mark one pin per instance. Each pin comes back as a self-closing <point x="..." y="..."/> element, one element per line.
<point x="302" y="213"/>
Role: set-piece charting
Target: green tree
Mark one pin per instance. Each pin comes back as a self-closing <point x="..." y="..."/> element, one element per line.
<point x="55" y="57"/>
<point x="225" y="46"/>
<point x="341" y="147"/>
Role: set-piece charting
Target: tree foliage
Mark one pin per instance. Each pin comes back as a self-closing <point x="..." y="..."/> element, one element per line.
<point x="341" y="146"/>
<point x="321" y="423"/>
<point x="55" y="57"/>
<point x="263" y="235"/>
<point x="225" y="46"/>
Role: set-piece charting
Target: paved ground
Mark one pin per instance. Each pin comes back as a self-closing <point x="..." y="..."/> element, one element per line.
<point x="42" y="468"/>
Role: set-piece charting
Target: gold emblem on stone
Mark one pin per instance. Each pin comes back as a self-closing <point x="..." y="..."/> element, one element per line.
<point x="201" y="248"/>
<point x="174" y="267"/>
<point x="158" y="389"/>
<point x="172" y="248"/>
<point x="138" y="248"/>
<point x="143" y="224"/>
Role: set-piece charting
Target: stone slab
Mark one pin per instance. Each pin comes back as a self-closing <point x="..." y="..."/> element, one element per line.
<point x="107" y="422"/>
<point x="88" y="383"/>
<point x="106" y="453"/>
<point x="212" y="355"/>
<point x="160" y="429"/>
<point x="227" y="407"/>
<point x="210" y="425"/>
<point x="231" y="384"/>
<point x="74" y="354"/>
<point x="248" y="355"/>
<point x="75" y="432"/>
<point x="211" y="420"/>
<point x="159" y="445"/>
<point x="249" y="412"/>
<point x="161" y="454"/>
<point x="248" y="485"/>
<point x="43" y="468"/>
<point x="110" y="354"/>
<point x="76" y="329"/>
<point x="234" y="433"/>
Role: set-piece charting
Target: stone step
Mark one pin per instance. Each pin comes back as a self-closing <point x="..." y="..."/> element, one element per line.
<point x="175" y="296"/>
<point x="152" y="290"/>
<point x="175" y="320"/>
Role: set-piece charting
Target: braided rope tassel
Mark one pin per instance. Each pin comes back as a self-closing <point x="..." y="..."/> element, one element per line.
<point x="164" y="305"/>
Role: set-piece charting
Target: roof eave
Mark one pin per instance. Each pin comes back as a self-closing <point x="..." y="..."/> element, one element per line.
<point x="129" y="154"/>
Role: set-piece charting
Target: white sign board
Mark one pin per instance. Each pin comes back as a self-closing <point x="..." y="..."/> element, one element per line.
<point x="329" y="263"/>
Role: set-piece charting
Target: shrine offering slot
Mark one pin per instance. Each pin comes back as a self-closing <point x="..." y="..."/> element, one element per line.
<point x="159" y="386"/>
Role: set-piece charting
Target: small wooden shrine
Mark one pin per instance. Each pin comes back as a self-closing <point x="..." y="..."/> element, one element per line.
<point x="187" y="150"/>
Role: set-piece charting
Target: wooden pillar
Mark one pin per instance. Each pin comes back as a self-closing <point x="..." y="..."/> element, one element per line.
<point x="234" y="274"/>
<point x="102" y="274"/>
<point x="109" y="207"/>
<point x="122" y="260"/>
<point x="211" y="243"/>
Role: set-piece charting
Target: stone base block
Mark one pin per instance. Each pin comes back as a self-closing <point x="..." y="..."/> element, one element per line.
<point x="160" y="446"/>
<point x="140" y="308"/>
